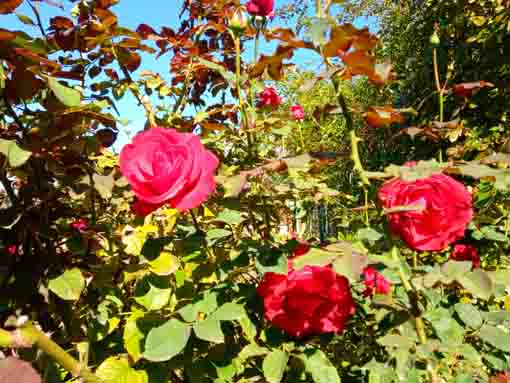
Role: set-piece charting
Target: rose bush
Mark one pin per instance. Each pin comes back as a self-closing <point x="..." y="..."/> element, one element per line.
<point x="164" y="166"/>
<point x="278" y="265"/>
<point x="441" y="209"/>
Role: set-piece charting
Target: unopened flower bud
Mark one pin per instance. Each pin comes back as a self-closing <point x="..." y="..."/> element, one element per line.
<point x="434" y="39"/>
<point x="238" y="21"/>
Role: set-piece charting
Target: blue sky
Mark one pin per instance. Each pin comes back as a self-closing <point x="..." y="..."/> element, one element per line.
<point x="159" y="13"/>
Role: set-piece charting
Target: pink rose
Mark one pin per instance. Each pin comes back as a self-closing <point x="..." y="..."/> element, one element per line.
<point x="375" y="283"/>
<point x="445" y="212"/>
<point x="313" y="300"/>
<point x="298" y="113"/>
<point x="466" y="253"/>
<point x="80" y="224"/>
<point x="260" y="8"/>
<point x="12" y="249"/>
<point x="269" y="97"/>
<point x="142" y="209"/>
<point x="166" y="166"/>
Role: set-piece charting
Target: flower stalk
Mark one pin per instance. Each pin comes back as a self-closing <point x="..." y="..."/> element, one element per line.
<point x="29" y="335"/>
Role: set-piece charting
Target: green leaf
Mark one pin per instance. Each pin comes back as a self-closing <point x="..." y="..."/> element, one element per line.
<point x="350" y="266"/>
<point x="14" y="154"/>
<point x="232" y="217"/>
<point x="463" y="378"/>
<point x="497" y="317"/>
<point x="274" y="366"/>
<point x="206" y="305"/>
<point x="469" y="315"/>
<point x="252" y="350"/>
<point x="234" y="185"/>
<point x="118" y="370"/>
<point x="447" y="328"/>
<point x="317" y="31"/>
<point x="133" y="336"/>
<point x="104" y="185"/>
<point x="454" y="270"/>
<point x="368" y="234"/>
<point x="495" y="337"/>
<point x="229" y="311"/>
<point x="478" y="283"/>
<point x="166" y="341"/>
<point x="396" y="341"/>
<point x="321" y="369"/>
<point x="227" y="75"/>
<point x="209" y="330"/>
<point x="165" y="264"/>
<point x="67" y="96"/>
<point x="315" y="257"/>
<point x="69" y="285"/>
<point x="153" y="292"/>
<point x="216" y="234"/>
<point x="25" y="19"/>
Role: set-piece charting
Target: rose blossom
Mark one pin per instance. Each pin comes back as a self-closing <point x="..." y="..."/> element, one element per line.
<point x="269" y="97"/>
<point x="375" y="283"/>
<point x="80" y="224"/>
<point x="313" y="300"/>
<point x="443" y="211"/>
<point x="166" y="166"/>
<point x="463" y="252"/>
<point x="298" y="113"/>
<point x="12" y="249"/>
<point x="142" y="209"/>
<point x="262" y="8"/>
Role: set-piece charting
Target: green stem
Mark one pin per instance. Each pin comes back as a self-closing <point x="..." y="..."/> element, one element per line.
<point x="440" y="92"/>
<point x="419" y="323"/>
<point x="318" y="4"/>
<point x="355" y="158"/>
<point x="29" y="335"/>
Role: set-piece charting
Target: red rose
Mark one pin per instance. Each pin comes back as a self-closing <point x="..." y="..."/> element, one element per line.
<point x="445" y="212"/>
<point x="301" y="248"/>
<point x="142" y="208"/>
<point x="12" y="249"/>
<point x="298" y="113"/>
<point x="313" y="300"/>
<point x="375" y="283"/>
<point x="269" y="97"/>
<point x="80" y="224"/>
<point x="260" y="8"/>
<point x="466" y="253"/>
<point x="165" y="166"/>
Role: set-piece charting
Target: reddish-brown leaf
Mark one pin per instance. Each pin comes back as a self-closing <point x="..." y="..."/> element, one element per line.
<point x="6" y="35"/>
<point x="104" y="4"/>
<point x="8" y="6"/>
<point x="364" y="40"/>
<point x="378" y="117"/>
<point x="359" y="62"/>
<point x="468" y="88"/>
<point x="59" y="23"/>
<point x="340" y="41"/>
<point x="19" y="371"/>
<point x="27" y="53"/>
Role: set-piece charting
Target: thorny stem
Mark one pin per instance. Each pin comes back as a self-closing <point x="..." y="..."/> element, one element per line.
<point x="135" y="90"/>
<point x="419" y="323"/>
<point x="440" y="92"/>
<point x="38" y="17"/>
<point x="28" y="335"/>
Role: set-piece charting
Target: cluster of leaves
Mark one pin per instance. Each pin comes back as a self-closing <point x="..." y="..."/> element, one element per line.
<point x="172" y="297"/>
